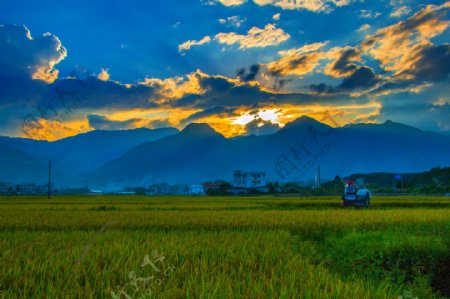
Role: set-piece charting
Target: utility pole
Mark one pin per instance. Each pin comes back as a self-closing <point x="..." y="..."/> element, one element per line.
<point x="49" y="178"/>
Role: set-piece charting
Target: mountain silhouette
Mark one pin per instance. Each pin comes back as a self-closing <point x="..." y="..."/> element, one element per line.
<point x="115" y="159"/>
<point x="198" y="154"/>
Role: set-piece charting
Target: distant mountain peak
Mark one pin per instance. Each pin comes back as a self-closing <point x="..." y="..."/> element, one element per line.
<point x="304" y="120"/>
<point x="307" y="119"/>
<point x="392" y="123"/>
<point x="399" y="126"/>
<point x="199" y="129"/>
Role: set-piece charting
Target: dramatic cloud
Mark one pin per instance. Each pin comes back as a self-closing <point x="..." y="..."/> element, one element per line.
<point x="26" y="69"/>
<point x="400" y="62"/>
<point x="429" y="63"/>
<point x="393" y="45"/>
<point x="408" y="61"/>
<point x="171" y="89"/>
<point x="255" y="37"/>
<point x="25" y="56"/>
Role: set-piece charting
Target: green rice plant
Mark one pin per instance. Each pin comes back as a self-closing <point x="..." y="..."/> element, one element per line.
<point x="223" y="247"/>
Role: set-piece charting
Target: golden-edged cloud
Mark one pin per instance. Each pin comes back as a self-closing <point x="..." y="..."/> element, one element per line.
<point x="34" y="58"/>
<point x="303" y="49"/>
<point x="170" y="89"/>
<point x="298" y="61"/>
<point x="256" y="37"/>
<point x="186" y="46"/>
<point x="402" y="58"/>
<point x="392" y="46"/>
<point x="343" y="64"/>
<point x="406" y="58"/>
<point x="312" y="5"/>
<point x="231" y="2"/>
<point x="295" y="64"/>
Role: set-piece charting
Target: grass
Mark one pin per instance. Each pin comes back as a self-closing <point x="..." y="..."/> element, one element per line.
<point x="223" y="247"/>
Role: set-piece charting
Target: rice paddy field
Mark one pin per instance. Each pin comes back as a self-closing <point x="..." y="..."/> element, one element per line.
<point x="223" y="247"/>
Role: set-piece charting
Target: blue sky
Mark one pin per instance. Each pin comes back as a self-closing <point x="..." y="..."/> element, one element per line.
<point x="166" y="62"/>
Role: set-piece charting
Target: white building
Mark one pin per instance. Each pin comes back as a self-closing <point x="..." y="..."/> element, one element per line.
<point x="196" y="189"/>
<point x="26" y="188"/>
<point x="249" y="179"/>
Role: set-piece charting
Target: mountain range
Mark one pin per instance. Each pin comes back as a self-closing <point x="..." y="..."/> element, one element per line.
<point x="140" y="157"/>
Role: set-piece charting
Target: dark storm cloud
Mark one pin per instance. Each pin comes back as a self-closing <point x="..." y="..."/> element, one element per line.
<point x="30" y="88"/>
<point x="362" y="78"/>
<point x="249" y="75"/>
<point x="221" y="91"/>
<point x="432" y="63"/>
<point x="99" y="94"/>
<point x="322" y="88"/>
<point x="344" y="65"/>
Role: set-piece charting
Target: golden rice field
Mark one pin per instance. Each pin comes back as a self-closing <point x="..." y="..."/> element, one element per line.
<point x="223" y="247"/>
